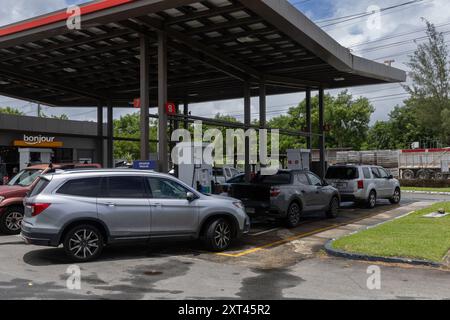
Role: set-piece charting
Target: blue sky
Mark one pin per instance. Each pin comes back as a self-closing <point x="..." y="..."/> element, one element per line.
<point x="354" y="35"/>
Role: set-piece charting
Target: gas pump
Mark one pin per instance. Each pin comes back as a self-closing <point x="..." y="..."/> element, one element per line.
<point x="197" y="174"/>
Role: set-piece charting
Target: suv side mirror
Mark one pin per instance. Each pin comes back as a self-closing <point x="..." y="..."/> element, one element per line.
<point x="324" y="183"/>
<point x="390" y="177"/>
<point x="190" y="196"/>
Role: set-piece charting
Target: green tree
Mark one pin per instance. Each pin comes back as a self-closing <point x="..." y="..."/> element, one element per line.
<point x="60" y="117"/>
<point x="380" y="136"/>
<point x="430" y="75"/>
<point x="348" y="119"/>
<point x="9" y="110"/>
<point x="128" y="126"/>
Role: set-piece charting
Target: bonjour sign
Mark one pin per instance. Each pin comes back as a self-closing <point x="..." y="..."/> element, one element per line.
<point x="38" y="141"/>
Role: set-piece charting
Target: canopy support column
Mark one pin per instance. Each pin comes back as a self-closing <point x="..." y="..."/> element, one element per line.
<point x="162" y="100"/>
<point x="100" y="159"/>
<point x="110" y="144"/>
<point x="247" y="123"/>
<point x="186" y="114"/>
<point x="308" y="124"/>
<point x="262" y="106"/>
<point x="145" y="97"/>
<point x="322" y="166"/>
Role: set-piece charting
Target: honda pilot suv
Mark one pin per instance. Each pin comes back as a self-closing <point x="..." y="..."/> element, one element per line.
<point x="364" y="184"/>
<point x="86" y="210"/>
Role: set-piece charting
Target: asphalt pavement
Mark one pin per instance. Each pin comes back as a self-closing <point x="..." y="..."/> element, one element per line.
<point x="292" y="267"/>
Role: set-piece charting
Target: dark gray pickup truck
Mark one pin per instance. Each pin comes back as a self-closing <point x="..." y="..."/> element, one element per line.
<point x="286" y="195"/>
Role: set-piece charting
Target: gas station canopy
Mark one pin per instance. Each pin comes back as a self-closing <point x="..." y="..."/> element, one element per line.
<point x="213" y="46"/>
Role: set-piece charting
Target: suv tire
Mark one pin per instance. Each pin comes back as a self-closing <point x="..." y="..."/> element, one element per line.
<point x="11" y="220"/>
<point x="83" y="243"/>
<point x="218" y="235"/>
<point x="293" y="215"/>
<point x="397" y="197"/>
<point x="372" y="200"/>
<point x="333" y="208"/>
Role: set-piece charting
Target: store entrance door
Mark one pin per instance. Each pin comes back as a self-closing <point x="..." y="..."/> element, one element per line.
<point x="30" y="156"/>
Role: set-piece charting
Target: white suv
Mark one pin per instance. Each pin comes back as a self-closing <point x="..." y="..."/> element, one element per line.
<point x="364" y="183"/>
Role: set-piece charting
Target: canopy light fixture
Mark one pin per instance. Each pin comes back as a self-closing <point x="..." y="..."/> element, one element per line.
<point x="247" y="39"/>
<point x="71" y="70"/>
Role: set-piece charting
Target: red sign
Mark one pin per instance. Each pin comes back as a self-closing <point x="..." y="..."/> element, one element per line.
<point x="171" y="109"/>
<point x="137" y="103"/>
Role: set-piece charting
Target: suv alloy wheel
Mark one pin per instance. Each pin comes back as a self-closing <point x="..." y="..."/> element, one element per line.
<point x="334" y="208"/>
<point x="83" y="243"/>
<point x="218" y="235"/>
<point x="396" y="197"/>
<point x="293" y="215"/>
<point x="11" y="220"/>
<point x="372" y="200"/>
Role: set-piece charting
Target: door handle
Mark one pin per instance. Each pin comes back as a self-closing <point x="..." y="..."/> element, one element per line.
<point x="155" y="205"/>
<point x="110" y="204"/>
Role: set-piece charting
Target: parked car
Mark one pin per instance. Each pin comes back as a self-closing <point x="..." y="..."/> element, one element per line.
<point x="221" y="175"/>
<point x="86" y="210"/>
<point x="287" y="195"/>
<point x="364" y="184"/>
<point x="12" y="194"/>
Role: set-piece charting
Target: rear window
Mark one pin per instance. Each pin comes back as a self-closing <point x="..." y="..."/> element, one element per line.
<point x="126" y="187"/>
<point x="342" y="173"/>
<point x="277" y="179"/>
<point x="39" y="187"/>
<point x="366" y="173"/>
<point x="87" y="187"/>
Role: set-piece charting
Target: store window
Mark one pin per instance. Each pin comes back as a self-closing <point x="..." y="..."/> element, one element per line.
<point x="62" y="155"/>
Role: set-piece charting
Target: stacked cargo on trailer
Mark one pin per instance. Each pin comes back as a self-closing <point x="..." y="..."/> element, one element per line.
<point x="406" y="164"/>
<point x="387" y="159"/>
<point x="424" y="164"/>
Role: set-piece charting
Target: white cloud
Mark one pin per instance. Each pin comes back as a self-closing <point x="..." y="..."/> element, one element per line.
<point x="401" y="20"/>
<point x="16" y="10"/>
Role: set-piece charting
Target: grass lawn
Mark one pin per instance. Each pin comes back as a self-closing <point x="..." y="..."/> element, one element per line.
<point x="426" y="189"/>
<point x="412" y="236"/>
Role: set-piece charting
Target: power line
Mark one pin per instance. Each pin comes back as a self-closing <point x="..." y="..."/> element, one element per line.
<point x="397" y="44"/>
<point x="393" y="36"/>
<point x="365" y="14"/>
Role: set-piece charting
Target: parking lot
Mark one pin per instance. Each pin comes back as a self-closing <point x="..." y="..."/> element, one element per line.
<point x="271" y="257"/>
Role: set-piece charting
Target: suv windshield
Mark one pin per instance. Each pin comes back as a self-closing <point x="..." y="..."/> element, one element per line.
<point x="342" y="173"/>
<point x="25" y="177"/>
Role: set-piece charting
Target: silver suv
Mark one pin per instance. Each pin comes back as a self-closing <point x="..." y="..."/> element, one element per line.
<point x="86" y="210"/>
<point x="364" y="184"/>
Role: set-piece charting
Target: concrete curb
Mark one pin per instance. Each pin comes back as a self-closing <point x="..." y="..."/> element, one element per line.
<point x="359" y="256"/>
<point x="427" y="192"/>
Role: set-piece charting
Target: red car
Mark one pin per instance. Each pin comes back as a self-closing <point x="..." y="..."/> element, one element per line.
<point x="12" y="194"/>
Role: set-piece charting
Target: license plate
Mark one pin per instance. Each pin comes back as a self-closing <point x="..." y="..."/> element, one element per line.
<point x="250" y="210"/>
<point x="340" y="185"/>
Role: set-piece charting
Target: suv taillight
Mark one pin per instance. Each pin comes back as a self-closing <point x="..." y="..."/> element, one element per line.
<point x="360" y="184"/>
<point x="38" y="208"/>
<point x="274" y="192"/>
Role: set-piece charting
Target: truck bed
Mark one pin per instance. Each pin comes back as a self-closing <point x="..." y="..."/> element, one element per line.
<point x="255" y="197"/>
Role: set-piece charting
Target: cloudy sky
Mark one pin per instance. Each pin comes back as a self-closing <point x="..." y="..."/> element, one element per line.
<point x="391" y="37"/>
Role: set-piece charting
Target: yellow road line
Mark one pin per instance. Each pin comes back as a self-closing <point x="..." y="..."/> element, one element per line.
<point x="292" y="238"/>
